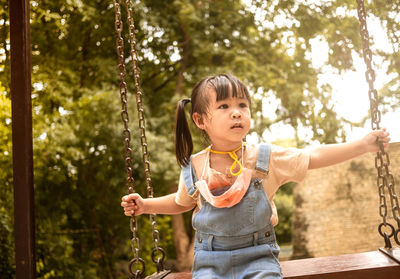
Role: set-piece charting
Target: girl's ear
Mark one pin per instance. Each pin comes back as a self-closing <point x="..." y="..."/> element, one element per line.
<point x="198" y="119"/>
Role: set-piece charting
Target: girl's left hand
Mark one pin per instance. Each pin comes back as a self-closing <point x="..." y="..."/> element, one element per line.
<point x="370" y="140"/>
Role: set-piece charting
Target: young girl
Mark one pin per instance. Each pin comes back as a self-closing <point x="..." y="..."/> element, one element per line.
<point x="231" y="184"/>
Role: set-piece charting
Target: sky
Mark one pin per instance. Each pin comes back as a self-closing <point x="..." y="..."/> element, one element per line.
<point x="349" y="90"/>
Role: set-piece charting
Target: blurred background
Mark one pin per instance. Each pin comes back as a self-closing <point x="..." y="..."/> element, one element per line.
<point x="301" y="60"/>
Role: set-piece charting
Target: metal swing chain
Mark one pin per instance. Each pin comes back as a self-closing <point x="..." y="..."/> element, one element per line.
<point x="158" y="260"/>
<point x="130" y="182"/>
<point x="385" y="178"/>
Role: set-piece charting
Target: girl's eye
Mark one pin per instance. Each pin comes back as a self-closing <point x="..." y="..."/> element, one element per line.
<point x="224" y="106"/>
<point x="243" y="105"/>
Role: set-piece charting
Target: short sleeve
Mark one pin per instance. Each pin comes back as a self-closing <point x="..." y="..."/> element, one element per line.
<point x="182" y="196"/>
<point x="289" y="164"/>
<point x="286" y="165"/>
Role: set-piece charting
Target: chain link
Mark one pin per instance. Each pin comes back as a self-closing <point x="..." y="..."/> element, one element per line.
<point x="142" y="129"/>
<point x="130" y="182"/>
<point x="139" y="98"/>
<point x="139" y="272"/>
<point x="382" y="161"/>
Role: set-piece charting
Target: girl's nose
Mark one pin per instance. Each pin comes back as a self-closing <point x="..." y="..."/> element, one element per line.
<point x="236" y="114"/>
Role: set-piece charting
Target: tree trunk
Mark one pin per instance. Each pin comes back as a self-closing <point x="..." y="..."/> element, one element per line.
<point x="183" y="244"/>
<point x="185" y="59"/>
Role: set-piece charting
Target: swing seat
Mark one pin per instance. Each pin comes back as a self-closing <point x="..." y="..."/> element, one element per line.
<point x="367" y="265"/>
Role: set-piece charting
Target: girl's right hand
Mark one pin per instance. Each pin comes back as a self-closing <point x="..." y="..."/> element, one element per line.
<point x="133" y="203"/>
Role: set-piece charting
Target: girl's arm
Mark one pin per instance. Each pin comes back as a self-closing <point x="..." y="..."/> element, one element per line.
<point x="330" y="154"/>
<point x="161" y="205"/>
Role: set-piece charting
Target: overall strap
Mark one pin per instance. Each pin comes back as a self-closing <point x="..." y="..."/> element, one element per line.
<point x="189" y="177"/>
<point x="264" y="153"/>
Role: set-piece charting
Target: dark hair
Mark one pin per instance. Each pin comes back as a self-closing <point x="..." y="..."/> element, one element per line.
<point x="225" y="85"/>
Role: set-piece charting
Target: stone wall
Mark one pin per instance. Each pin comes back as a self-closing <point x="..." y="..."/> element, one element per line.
<point x="336" y="208"/>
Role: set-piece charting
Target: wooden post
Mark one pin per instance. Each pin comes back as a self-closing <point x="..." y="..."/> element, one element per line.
<point x="22" y="139"/>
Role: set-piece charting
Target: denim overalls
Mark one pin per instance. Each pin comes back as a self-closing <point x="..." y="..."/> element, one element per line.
<point x="236" y="242"/>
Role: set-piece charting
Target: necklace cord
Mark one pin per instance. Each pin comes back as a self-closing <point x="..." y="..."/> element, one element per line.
<point x="235" y="158"/>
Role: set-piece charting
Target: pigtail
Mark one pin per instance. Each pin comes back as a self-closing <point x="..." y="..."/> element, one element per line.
<point x="183" y="138"/>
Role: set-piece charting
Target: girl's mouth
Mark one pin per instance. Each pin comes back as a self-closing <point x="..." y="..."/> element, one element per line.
<point x="237" y="126"/>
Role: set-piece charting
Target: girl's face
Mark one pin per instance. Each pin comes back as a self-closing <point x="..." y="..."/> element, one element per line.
<point x="226" y="122"/>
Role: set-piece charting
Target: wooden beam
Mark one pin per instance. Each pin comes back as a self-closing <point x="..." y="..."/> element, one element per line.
<point x="24" y="224"/>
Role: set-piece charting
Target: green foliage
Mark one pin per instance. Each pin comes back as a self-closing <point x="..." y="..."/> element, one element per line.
<point x="78" y="147"/>
<point x="7" y="263"/>
<point x="284" y="204"/>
